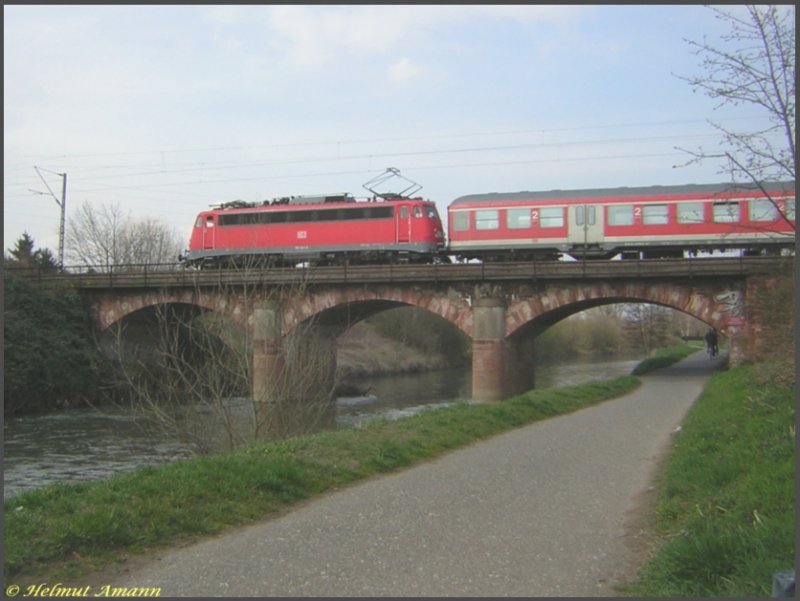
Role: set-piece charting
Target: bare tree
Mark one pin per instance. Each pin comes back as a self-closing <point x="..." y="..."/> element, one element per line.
<point x="753" y="65"/>
<point x="107" y="237"/>
<point x="191" y="373"/>
<point x="647" y="326"/>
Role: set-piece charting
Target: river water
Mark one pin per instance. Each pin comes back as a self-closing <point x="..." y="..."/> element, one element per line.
<point x="87" y="444"/>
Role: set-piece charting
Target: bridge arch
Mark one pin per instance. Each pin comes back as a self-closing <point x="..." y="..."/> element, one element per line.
<point x="343" y="307"/>
<point x="112" y="308"/>
<point x="714" y="305"/>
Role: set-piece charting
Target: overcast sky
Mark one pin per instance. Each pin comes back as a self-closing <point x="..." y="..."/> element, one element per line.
<point x="165" y="110"/>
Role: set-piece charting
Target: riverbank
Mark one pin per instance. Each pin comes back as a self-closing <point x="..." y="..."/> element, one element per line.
<point x="71" y="529"/>
<point x="68" y="531"/>
<point x="724" y="517"/>
<point x="65" y="531"/>
<point x="362" y="351"/>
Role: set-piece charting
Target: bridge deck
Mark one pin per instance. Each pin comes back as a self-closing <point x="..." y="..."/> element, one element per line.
<point x="172" y="276"/>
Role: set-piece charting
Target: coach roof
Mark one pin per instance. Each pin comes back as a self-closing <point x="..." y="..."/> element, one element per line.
<point x="622" y="192"/>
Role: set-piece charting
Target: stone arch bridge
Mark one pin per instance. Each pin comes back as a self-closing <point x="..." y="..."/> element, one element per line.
<point x="501" y="307"/>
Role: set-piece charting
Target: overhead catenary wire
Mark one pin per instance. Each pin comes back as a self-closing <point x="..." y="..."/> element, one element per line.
<point x="390" y="140"/>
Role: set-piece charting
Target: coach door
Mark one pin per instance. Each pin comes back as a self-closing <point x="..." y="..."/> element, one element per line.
<point x="209" y="232"/>
<point x="585" y="225"/>
<point x="403" y="223"/>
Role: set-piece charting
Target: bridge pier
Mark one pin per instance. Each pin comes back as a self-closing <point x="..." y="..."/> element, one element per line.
<point x="489" y="349"/>
<point x="268" y="362"/>
<point x="293" y="375"/>
<point x="500" y="367"/>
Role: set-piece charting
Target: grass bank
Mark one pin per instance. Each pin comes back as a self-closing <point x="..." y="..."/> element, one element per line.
<point x="726" y="508"/>
<point x="664" y="358"/>
<point x="65" y="531"/>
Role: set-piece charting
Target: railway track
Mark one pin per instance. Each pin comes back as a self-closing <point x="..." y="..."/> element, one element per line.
<point x="170" y="276"/>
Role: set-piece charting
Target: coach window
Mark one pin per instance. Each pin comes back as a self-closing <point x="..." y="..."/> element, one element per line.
<point x="620" y="215"/>
<point x="726" y="212"/>
<point x="551" y="217"/>
<point x="487" y="220"/>
<point x="789" y="209"/>
<point x="690" y="212"/>
<point x="655" y="214"/>
<point x="461" y="221"/>
<point x="517" y="219"/>
<point x="762" y="209"/>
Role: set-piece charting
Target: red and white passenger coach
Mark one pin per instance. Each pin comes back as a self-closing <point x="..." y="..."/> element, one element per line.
<point x="647" y="222"/>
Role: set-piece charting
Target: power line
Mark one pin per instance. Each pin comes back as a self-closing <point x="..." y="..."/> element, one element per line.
<point x="365" y="171"/>
<point x="391" y="140"/>
<point x="307" y="160"/>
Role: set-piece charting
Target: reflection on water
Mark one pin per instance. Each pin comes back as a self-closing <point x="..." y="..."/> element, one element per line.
<point x="87" y="444"/>
<point x="394" y="397"/>
<point x="581" y="372"/>
<point x="79" y="445"/>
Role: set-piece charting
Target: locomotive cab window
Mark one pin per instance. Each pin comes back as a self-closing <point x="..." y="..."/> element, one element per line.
<point x="199" y="222"/>
<point x="417" y="212"/>
<point x="726" y="212"/>
<point x="210" y="221"/>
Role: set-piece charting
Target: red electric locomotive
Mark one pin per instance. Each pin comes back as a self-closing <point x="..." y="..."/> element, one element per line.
<point x="647" y="222"/>
<point x="322" y="230"/>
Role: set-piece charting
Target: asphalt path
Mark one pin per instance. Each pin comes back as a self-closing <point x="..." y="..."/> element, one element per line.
<point x="541" y="511"/>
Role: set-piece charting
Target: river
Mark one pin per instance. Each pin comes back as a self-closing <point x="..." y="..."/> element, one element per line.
<point x="87" y="444"/>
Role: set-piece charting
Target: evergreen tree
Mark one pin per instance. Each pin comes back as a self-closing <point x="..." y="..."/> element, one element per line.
<point x="22" y="254"/>
<point x="25" y="255"/>
<point x="51" y="359"/>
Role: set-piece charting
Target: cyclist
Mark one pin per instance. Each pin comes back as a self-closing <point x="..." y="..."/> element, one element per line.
<point x="712" y="344"/>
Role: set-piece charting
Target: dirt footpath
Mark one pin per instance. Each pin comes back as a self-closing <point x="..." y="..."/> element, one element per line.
<point x="545" y="510"/>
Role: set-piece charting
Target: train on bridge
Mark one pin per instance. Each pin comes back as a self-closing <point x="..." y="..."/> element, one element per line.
<point x="644" y="222"/>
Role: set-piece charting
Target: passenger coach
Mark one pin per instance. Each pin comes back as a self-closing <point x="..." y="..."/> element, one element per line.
<point x="647" y="222"/>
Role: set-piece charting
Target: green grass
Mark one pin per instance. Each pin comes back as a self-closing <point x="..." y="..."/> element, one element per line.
<point x="726" y="508"/>
<point x="65" y="531"/>
<point x="725" y="514"/>
<point x="664" y="358"/>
